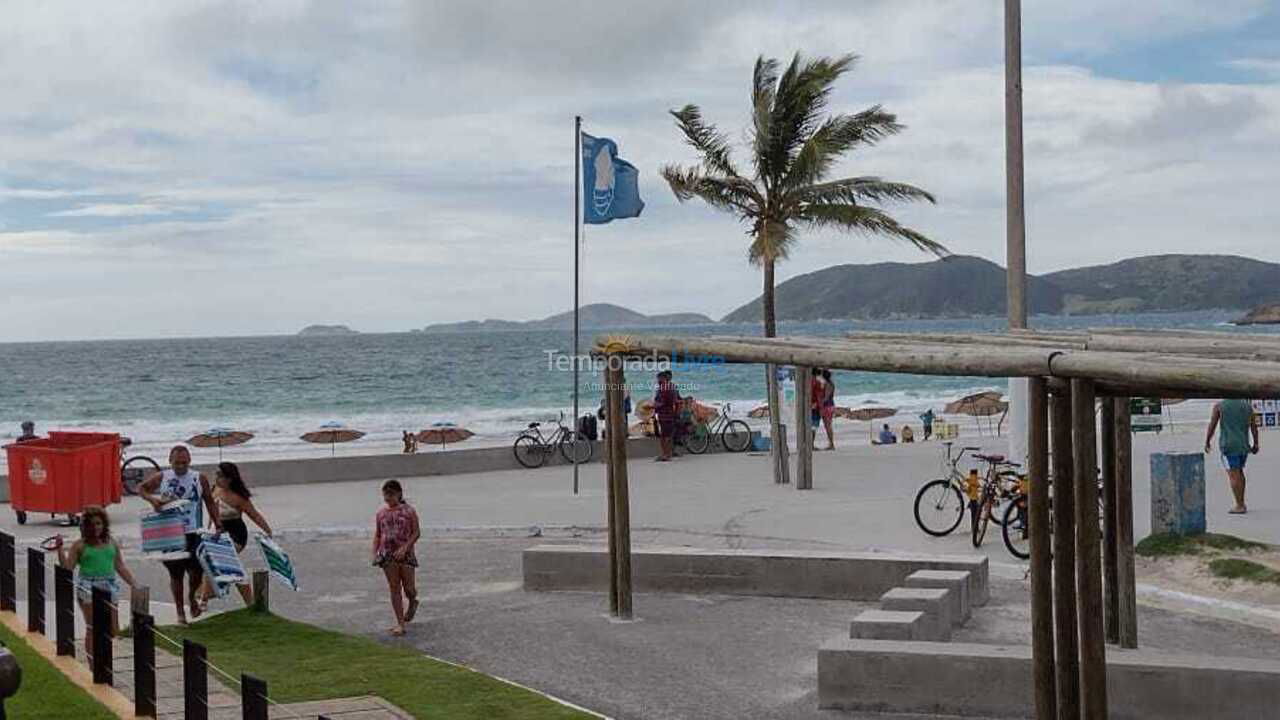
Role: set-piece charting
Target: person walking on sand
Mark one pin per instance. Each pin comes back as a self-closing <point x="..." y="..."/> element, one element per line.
<point x="231" y="498"/>
<point x="395" y="532"/>
<point x="666" y="405"/>
<point x="180" y="482"/>
<point x="926" y="420"/>
<point x="97" y="560"/>
<point x="1236" y="419"/>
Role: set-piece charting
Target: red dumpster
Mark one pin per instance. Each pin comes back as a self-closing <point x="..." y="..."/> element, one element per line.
<point x="64" y="473"/>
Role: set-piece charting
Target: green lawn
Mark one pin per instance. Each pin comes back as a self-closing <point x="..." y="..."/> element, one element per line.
<point x="1169" y="544"/>
<point x="47" y="694"/>
<point x="1240" y="569"/>
<point x="303" y="662"/>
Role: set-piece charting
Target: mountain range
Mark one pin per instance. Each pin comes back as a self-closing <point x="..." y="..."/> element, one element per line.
<point x="594" y="316"/>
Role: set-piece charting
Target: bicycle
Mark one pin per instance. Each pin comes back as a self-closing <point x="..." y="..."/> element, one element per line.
<point x="1000" y="485"/>
<point x="1017" y="539"/>
<point x="532" y="448"/>
<point x="733" y="435"/>
<point x="132" y="477"/>
<point x="940" y="503"/>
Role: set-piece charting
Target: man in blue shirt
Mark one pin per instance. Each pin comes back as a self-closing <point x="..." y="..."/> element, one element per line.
<point x="886" y="436"/>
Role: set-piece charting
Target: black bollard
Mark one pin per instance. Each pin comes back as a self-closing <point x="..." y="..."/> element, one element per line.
<point x="253" y="698"/>
<point x="35" y="591"/>
<point x="103" y="674"/>
<point x="195" y="682"/>
<point x="8" y="574"/>
<point x="144" y="665"/>
<point x="64" y="610"/>
<point x="10" y="677"/>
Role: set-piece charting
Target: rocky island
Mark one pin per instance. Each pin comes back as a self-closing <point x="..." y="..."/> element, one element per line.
<point x="1268" y="314"/>
<point x="314" y="330"/>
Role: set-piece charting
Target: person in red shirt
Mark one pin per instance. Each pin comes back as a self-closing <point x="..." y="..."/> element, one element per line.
<point x="666" y="406"/>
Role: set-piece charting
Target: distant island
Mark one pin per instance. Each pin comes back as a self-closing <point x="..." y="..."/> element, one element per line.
<point x="327" y="330"/>
<point x="595" y="316"/>
<point x="965" y="286"/>
<point x="1268" y="314"/>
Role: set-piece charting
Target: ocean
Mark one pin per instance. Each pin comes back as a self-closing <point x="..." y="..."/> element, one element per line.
<point x="159" y="392"/>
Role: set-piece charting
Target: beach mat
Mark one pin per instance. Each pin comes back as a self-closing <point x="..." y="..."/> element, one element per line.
<point x="217" y="555"/>
<point x="277" y="561"/>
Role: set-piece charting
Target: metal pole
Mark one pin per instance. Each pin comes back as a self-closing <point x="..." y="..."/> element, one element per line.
<point x="253" y="698"/>
<point x="1093" y="658"/>
<point x="1015" y="218"/>
<point x="195" y="682"/>
<point x="35" y="591"/>
<point x="8" y="574"/>
<point x="1066" y="644"/>
<point x="577" y="219"/>
<point x="64" y="610"/>
<point x="103" y="669"/>
<point x="144" y="665"/>
<point x="1041" y="568"/>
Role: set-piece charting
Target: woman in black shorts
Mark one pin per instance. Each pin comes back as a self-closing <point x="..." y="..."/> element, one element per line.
<point x="231" y="498"/>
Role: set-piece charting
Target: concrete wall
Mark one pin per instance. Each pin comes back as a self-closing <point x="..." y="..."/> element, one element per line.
<point x="264" y="473"/>
<point x="995" y="681"/>
<point x="780" y="573"/>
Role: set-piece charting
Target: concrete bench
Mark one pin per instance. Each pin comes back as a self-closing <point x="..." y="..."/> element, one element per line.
<point x="995" y="681"/>
<point x="935" y="603"/>
<point x="957" y="581"/>
<point x="888" y="625"/>
<point x="779" y="573"/>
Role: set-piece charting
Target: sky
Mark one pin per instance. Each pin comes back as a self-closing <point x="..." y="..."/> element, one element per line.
<point x="237" y="168"/>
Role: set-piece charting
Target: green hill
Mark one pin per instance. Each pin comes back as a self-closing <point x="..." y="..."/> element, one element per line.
<point x="1168" y="283"/>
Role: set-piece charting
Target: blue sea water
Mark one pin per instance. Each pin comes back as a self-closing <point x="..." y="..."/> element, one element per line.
<point x="162" y="391"/>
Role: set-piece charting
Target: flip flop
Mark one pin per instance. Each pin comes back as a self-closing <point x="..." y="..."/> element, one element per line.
<point x="1234" y="511"/>
<point x="397" y="631"/>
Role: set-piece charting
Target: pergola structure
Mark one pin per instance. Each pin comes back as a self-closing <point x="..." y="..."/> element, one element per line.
<point x="1075" y="612"/>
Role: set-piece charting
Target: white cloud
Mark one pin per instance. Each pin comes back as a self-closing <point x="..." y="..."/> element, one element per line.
<point x="1269" y="67"/>
<point x="119" y="210"/>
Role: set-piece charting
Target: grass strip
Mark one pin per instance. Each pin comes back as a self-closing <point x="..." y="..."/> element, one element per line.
<point x="1241" y="569"/>
<point x="1169" y="544"/>
<point x="47" y="694"/>
<point x="303" y="662"/>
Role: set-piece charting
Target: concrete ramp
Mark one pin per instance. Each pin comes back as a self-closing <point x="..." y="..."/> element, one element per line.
<point x="776" y="573"/>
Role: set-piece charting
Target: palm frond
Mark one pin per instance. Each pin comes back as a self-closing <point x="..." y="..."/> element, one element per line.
<point x="764" y="81"/>
<point x="835" y="137"/>
<point x="712" y="144"/>
<point x="860" y="218"/>
<point x="801" y="99"/>
<point x="731" y="194"/>
<point x="857" y="191"/>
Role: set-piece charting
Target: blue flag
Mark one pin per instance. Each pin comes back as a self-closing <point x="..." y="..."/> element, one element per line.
<point x="610" y="185"/>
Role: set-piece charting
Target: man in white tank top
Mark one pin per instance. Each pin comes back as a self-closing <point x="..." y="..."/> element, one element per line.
<point x="180" y="482"/>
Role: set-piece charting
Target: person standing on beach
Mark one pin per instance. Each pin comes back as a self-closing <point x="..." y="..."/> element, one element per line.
<point x="395" y="532"/>
<point x="666" y="406"/>
<point x="1236" y="419"/>
<point x="828" y="409"/>
<point x="180" y="482"/>
<point x="926" y="419"/>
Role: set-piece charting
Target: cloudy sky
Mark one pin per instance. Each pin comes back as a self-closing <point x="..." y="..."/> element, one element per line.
<point x="215" y="168"/>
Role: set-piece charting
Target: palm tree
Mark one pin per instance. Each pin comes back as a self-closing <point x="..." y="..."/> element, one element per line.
<point x="794" y="146"/>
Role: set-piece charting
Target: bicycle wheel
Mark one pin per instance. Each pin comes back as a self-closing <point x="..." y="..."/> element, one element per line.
<point x="1015" y="531"/>
<point x="575" y="448"/>
<point x="529" y="452"/>
<point x="982" y="519"/>
<point x="698" y="441"/>
<point x="736" y="436"/>
<point x="939" y="507"/>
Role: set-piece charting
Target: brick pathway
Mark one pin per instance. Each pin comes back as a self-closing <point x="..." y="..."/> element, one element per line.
<point x="224" y="702"/>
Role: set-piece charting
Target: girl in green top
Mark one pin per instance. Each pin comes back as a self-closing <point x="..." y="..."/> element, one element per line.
<point x="98" y="559"/>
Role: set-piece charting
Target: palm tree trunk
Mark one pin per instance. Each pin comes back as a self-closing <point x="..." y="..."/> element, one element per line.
<point x="778" y="439"/>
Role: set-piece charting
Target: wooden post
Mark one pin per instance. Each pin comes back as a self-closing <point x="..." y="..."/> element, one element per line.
<point x="195" y="682"/>
<point x="64" y="610"/>
<point x="615" y="378"/>
<point x="1125" y="584"/>
<point x="140" y="600"/>
<point x="1093" y="659"/>
<point x="35" y="591"/>
<point x="261" y="591"/>
<point x="144" y="665"/>
<point x="253" y="698"/>
<point x="103" y="672"/>
<point x="777" y="438"/>
<point x="1041" y="564"/>
<point x="609" y="392"/>
<point x="804" y="431"/>
<point x="1015" y="218"/>
<point x="1065" y="643"/>
<point x="1107" y="464"/>
<point x="8" y="574"/>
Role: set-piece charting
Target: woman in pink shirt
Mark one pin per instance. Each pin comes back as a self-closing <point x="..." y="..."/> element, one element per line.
<point x="395" y="533"/>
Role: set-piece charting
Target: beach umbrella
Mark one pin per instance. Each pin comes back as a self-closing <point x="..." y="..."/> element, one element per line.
<point x="760" y="412"/>
<point x="332" y="433"/>
<point x="867" y="414"/>
<point x="444" y="433"/>
<point x="219" y="437"/>
<point x="980" y="400"/>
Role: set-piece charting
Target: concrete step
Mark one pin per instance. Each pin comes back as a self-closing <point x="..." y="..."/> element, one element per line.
<point x="888" y="625"/>
<point x="935" y="603"/>
<point x="957" y="581"/>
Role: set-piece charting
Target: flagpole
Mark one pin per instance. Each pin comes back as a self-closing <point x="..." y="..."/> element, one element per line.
<point x="577" y="219"/>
